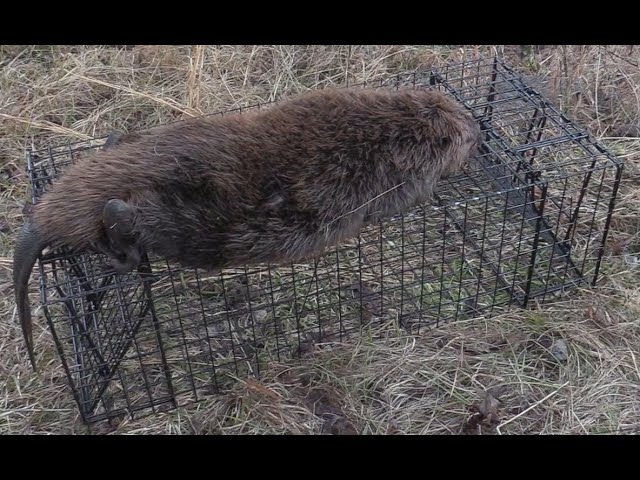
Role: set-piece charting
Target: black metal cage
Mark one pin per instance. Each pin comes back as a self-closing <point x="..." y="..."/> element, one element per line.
<point x="527" y="219"/>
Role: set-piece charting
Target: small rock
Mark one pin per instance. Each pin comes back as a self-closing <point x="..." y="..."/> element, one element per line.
<point x="215" y="330"/>
<point x="631" y="260"/>
<point x="489" y="404"/>
<point x="260" y="315"/>
<point x="560" y="351"/>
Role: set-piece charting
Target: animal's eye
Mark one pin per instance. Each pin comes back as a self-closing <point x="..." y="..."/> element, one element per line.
<point x="445" y="141"/>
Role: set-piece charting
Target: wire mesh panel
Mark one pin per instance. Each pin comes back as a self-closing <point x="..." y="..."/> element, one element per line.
<point x="526" y="219"/>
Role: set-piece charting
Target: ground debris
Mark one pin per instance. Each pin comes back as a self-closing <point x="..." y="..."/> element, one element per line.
<point x="559" y="350"/>
<point x="368" y="298"/>
<point x="485" y="413"/>
<point x="324" y="401"/>
<point x="598" y="316"/>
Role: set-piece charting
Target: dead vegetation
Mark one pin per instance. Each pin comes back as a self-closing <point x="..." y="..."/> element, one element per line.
<point x="566" y="367"/>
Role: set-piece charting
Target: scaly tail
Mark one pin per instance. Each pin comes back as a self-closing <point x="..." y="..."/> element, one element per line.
<point x="28" y="247"/>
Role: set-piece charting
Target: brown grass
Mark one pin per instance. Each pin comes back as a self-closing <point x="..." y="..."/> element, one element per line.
<point x="481" y="376"/>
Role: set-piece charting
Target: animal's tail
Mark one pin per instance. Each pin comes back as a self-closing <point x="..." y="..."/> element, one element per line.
<point x="28" y="246"/>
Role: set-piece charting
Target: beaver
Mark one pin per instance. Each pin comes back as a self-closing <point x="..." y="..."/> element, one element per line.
<point x="269" y="186"/>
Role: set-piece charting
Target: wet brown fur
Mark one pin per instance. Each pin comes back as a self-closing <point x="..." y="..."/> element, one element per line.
<point x="276" y="185"/>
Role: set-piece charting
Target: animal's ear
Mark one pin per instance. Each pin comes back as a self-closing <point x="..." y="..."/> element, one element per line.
<point x="118" y="222"/>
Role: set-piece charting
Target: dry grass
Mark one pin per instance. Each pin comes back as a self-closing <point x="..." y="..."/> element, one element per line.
<point x="482" y="376"/>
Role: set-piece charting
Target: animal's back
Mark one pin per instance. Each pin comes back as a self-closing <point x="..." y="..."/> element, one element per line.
<point x="208" y="190"/>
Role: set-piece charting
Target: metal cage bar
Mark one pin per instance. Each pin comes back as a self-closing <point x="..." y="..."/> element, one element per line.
<point x="527" y="219"/>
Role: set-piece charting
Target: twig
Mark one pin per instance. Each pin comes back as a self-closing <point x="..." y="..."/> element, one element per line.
<point x="161" y="101"/>
<point x="361" y="206"/>
<point x="596" y="90"/>
<point x="44" y="125"/>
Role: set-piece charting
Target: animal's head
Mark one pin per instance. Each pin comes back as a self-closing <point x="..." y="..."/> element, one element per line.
<point x="449" y="134"/>
<point x="464" y="145"/>
<point x="455" y="135"/>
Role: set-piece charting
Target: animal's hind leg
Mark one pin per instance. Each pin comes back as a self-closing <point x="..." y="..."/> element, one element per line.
<point x="117" y="218"/>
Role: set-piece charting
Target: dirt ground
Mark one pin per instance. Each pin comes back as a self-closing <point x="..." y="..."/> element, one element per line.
<point x="477" y="376"/>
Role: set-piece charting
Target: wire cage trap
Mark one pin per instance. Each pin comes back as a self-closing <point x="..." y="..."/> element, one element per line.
<point x="527" y="219"/>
